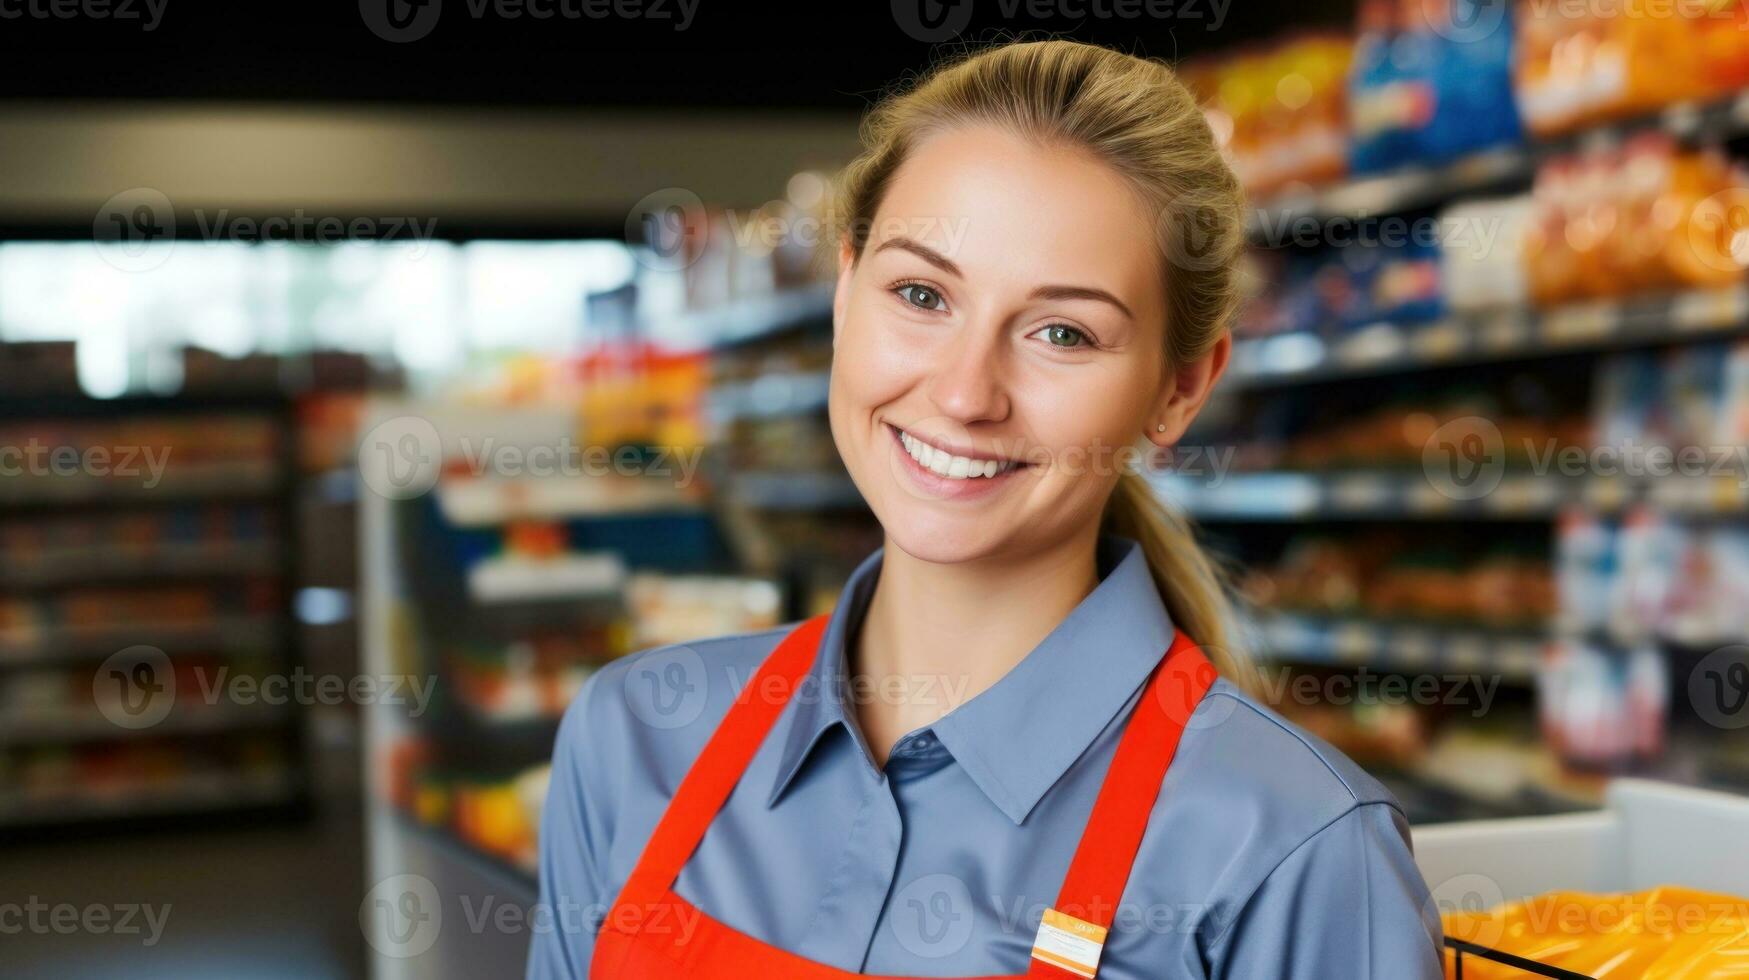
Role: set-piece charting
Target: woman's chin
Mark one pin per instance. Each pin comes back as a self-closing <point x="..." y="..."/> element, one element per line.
<point x="943" y="539"/>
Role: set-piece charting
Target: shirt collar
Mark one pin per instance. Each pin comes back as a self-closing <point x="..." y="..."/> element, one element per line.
<point x="1016" y="738"/>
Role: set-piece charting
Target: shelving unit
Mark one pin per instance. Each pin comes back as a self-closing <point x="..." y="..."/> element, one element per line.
<point x="1410" y="647"/>
<point x="165" y="560"/>
<point x="1420" y="186"/>
<point x="1395" y="495"/>
<point x="1256" y="508"/>
<point x="1505" y="335"/>
<point x="504" y="639"/>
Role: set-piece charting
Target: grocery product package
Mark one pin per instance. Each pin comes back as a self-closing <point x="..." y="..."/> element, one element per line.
<point x="1663" y="933"/>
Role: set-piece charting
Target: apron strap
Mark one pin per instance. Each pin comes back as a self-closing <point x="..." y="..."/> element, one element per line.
<point x="1108" y="846"/>
<point x="712" y="777"/>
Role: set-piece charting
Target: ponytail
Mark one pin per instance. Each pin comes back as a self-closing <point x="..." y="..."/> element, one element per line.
<point x="1190" y="581"/>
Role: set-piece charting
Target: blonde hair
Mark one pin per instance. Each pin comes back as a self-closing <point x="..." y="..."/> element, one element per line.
<point x="1135" y="115"/>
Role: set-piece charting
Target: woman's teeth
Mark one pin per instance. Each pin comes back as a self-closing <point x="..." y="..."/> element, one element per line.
<point x="947" y="464"/>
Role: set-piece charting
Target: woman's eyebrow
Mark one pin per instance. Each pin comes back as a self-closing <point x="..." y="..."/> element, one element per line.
<point x="947" y="265"/>
<point x="1080" y="292"/>
<point x="923" y="252"/>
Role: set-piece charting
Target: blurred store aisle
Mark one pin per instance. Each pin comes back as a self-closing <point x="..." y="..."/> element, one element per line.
<point x="259" y="903"/>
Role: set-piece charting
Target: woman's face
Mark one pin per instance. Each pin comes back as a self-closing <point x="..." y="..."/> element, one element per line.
<point x="999" y="347"/>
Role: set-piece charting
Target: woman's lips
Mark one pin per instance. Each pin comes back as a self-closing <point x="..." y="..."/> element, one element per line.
<point x="940" y="474"/>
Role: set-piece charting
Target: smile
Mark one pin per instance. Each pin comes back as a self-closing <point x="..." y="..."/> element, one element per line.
<point x="949" y="465"/>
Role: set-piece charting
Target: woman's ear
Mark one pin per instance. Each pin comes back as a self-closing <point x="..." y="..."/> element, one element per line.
<point x="841" y="293"/>
<point x="1185" y="390"/>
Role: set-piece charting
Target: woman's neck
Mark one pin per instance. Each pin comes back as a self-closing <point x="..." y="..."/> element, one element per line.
<point x="936" y="635"/>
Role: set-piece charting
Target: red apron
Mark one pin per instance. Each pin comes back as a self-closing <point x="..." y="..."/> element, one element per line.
<point x="651" y="933"/>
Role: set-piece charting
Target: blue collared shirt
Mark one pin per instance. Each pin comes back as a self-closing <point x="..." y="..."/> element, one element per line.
<point x="1269" y="853"/>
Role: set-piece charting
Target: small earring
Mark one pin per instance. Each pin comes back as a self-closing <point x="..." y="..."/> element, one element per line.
<point x="1160" y="428"/>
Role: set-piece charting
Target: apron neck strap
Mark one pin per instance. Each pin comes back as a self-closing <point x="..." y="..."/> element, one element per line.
<point x="707" y="784"/>
<point x="1101" y="866"/>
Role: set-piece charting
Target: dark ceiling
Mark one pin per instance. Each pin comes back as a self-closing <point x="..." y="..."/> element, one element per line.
<point x="823" y="55"/>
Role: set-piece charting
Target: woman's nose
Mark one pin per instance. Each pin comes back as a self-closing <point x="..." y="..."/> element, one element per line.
<point x="968" y="384"/>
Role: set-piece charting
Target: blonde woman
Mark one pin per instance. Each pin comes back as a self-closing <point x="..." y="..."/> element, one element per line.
<point x="1021" y="744"/>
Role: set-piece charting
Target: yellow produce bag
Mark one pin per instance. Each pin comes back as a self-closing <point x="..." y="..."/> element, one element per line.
<point x="1665" y="933"/>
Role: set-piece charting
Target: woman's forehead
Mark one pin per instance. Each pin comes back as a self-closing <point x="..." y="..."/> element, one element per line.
<point x="993" y="201"/>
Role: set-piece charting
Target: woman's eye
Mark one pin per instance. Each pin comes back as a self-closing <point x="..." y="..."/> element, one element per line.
<point x="921" y="296"/>
<point x="1062" y="335"/>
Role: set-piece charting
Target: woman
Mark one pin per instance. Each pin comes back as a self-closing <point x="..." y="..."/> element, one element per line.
<point x="1006" y="751"/>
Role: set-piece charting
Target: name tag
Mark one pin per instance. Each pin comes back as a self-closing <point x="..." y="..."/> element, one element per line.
<point x="1069" y="943"/>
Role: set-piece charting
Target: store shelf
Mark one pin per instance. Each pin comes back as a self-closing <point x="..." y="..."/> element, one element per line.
<point x="1511" y="655"/>
<point x="772" y="490"/>
<point x="74" y="644"/>
<point x="1273" y="221"/>
<point x="744" y="320"/>
<point x="65" y="566"/>
<point x="89" y="724"/>
<point x="225" y="480"/>
<point x="1513" y="334"/>
<point x="519" y="878"/>
<point x="489" y="501"/>
<point x="770" y="396"/>
<point x="1285" y="496"/>
<point x="573" y="576"/>
<point x="204" y="793"/>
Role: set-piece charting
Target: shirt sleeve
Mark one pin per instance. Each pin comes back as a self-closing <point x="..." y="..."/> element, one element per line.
<point x="1348" y="902"/>
<point x="573" y="838"/>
